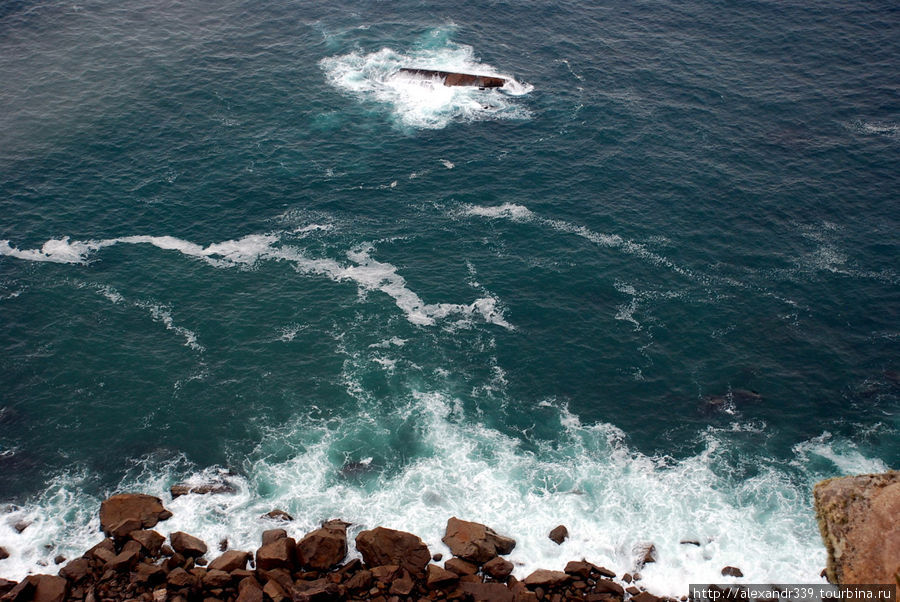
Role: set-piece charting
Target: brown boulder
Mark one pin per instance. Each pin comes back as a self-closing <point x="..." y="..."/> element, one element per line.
<point x="645" y="597"/>
<point x="559" y="534"/>
<point x="461" y="567"/>
<point x="187" y="545"/>
<point x="145" y="508"/>
<point x="179" y="578"/>
<point x="127" y="558"/>
<point x="278" y="554"/>
<point x="545" y="578"/>
<point x="475" y="542"/>
<point x="732" y="571"/>
<point x="148" y="573"/>
<point x="607" y="586"/>
<point x="645" y="553"/>
<point x="3" y="553"/>
<point x="231" y="560"/>
<point x="40" y="588"/>
<point x="278" y="515"/>
<point x="273" y="535"/>
<point x="320" y="591"/>
<point x="76" y="570"/>
<point x="6" y="586"/>
<point x="123" y="528"/>
<point x="439" y="577"/>
<point x="215" y="578"/>
<point x="249" y="590"/>
<point x="150" y="540"/>
<point x="360" y="581"/>
<point x="498" y="568"/>
<point x="858" y="521"/>
<point x="381" y="546"/>
<point x="324" y="548"/>
<point x="403" y="585"/>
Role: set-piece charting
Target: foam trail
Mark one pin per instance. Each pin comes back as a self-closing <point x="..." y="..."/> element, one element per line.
<point x="367" y="273"/>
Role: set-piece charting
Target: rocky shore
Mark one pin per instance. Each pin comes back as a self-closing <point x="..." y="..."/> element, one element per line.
<point x="857" y="517"/>
<point x="135" y="562"/>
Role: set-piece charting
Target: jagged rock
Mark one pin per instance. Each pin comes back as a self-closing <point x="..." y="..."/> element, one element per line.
<point x="150" y="540"/>
<point x="545" y="578"/>
<point x="632" y="590"/>
<point x="179" y="578"/>
<point x="386" y="573"/>
<point x="645" y="553"/>
<point x="273" y="535"/>
<point x="145" y="508"/>
<point x="381" y="546"/>
<point x="231" y="560"/>
<point x="439" y="577"/>
<point x="607" y="586"/>
<point x="123" y="528"/>
<point x="278" y="554"/>
<point x="6" y="586"/>
<point x="403" y="585"/>
<point x="461" y="567"/>
<point x="39" y="588"/>
<point x="184" y="489"/>
<point x="21" y="525"/>
<point x="249" y="590"/>
<point x="187" y="545"/>
<point x="76" y="570"/>
<point x="858" y="521"/>
<point x="216" y="578"/>
<point x="451" y="78"/>
<point x="275" y="591"/>
<point x="319" y="592"/>
<point x="324" y="548"/>
<point x="580" y="568"/>
<point x="498" y="568"/>
<point x="487" y="592"/>
<point x="23" y="591"/>
<point x="559" y="534"/>
<point x="3" y="553"/>
<point x="475" y="542"/>
<point x="127" y="558"/>
<point x="148" y="573"/>
<point x="278" y="515"/>
<point x="59" y="559"/>
<point x="360" y="581"/>
<point x="732" y="571"/>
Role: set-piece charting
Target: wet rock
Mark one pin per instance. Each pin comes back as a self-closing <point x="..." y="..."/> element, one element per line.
<point x="858" y="521"/>
<point x="689" y="542"/>
<point x="206" y="488"/>
<point x="231" y="560"/>
<point x="279" y="515"/>
<point x="732" y="571"/>
<point x="76" y="570"/>
<point x="150" y="540"/>
<point x="461" y="567"/>
<point x="607" y="586"/>
<point x="452" y="78"/>
<point x="21" y="525"/>
<point x="437" y="577"/>
<point x="187" y="545"/>
<point x="23" y="591"/>
<point x="559" y="534"/>
<point x="144" y="508"/>
<point x="497" y="568"/>
<point x="278" y="554"/>
<point x="6" y="586"/>
<point x="59" y="559"/>
<point x="475" y="542"/>
<point x="3" y="553"/>
<point x="273" y="535"/>
<point x="437" y="557"/>
<point x="324" y="548"/>
<point x="487" y="592"/>
<point x="645" y="553"/>
<point x="545" y="578"/>
<point x="381" y="546"/>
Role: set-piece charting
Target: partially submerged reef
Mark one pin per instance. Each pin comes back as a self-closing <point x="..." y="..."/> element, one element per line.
<point x="858" y="517"/>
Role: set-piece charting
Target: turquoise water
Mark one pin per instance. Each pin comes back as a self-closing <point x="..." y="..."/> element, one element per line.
<point x="648" y="289"/>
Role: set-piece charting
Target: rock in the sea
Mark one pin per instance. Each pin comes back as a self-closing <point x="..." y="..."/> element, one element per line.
<point x="39" y="588"/>
<point x="381" y="546"/>
<point x="858" y="520"/>
<point x="271" y="535"/>
<point x="451" y="78"/>
<point x="144" y="508"/>
<point x="76" y="570"/>
<point x="732" y="571"/>
<point x="217" y="487"/>
<point x="324" y="548"/>
<point x="187" y="545"/>
<point x="475" y="542"/>
<point x="3" y="553"/>
<point x="150" y="540"/>
<point x="644" y="553"/>
<point x="278" y="515"/>
<point x="559" y="534"/>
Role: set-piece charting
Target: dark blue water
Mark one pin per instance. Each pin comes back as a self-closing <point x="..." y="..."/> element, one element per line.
<point x="648" y="289"/>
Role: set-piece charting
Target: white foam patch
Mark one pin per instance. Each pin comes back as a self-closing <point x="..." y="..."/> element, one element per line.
<point x="163" y="315"/>
<point x="365" y="271"/>
<point x="611" y="498"/>
<point x="420" y="102"/>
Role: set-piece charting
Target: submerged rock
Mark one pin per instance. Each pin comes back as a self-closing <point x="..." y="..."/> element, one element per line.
<point x="858" y="520"/>
<point x="452" y="78"/>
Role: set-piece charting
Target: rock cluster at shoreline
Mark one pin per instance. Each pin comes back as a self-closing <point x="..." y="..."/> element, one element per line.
<point x="135" y="562"/>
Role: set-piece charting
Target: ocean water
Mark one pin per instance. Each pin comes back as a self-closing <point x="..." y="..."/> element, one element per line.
<point x="649" y="289"/>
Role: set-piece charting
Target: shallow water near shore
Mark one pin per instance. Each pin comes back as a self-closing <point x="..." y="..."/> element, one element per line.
<point x="647" y="290"/>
